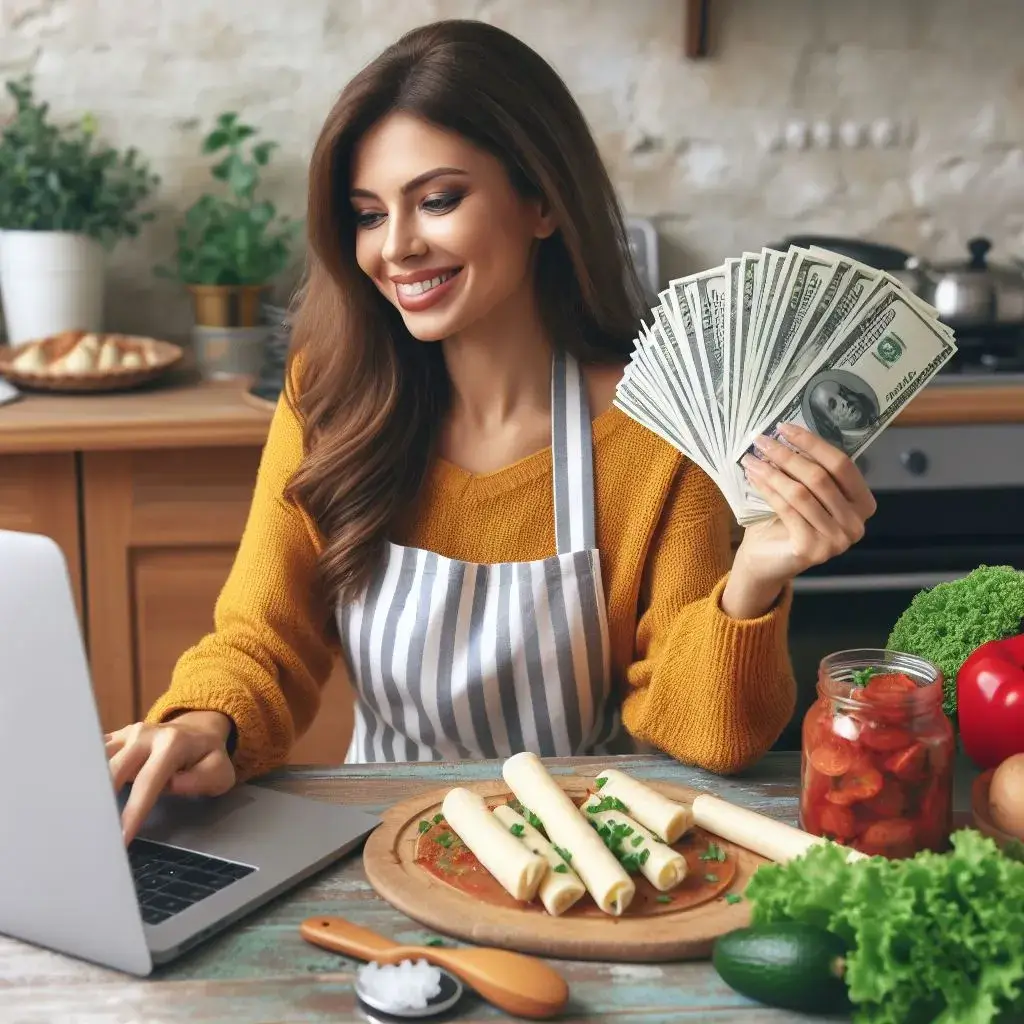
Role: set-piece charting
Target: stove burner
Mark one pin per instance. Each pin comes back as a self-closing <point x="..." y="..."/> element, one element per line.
<point x="981" y="352"/>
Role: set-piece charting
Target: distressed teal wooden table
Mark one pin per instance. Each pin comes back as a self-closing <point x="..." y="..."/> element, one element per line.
<point x="262" y="971"/>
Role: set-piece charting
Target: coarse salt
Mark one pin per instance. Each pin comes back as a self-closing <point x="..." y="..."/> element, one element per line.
<point x="406" y="986"/>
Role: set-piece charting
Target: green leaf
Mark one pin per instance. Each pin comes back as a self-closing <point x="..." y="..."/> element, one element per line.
<point x="217" y="139"/>
<point x="664" y="899"/>
<point x="424" y="827"/>
<point x="601" y="783"/>
<point x="517" y="830"/>
<point x="560" y="869"/>
<point x="731" y="897"/>
<point x="261" y="152"/>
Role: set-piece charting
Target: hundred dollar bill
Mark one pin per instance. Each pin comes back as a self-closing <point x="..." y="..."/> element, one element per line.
<point x="689" y="348"/>
<point x="773" y="263"/>
<point x="751" y="266"/>
<point x="808" y="285"/>
<point x="643" y="395"/>
<point x="850" y="296"/>
<point x="733" y="295"/>
<point x="849" y="396"/>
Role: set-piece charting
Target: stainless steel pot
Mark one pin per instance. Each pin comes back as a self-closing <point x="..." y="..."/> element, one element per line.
<point x="974" y="293"/>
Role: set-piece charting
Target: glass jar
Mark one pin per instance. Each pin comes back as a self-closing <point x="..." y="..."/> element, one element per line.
<point x="876" y="765"/>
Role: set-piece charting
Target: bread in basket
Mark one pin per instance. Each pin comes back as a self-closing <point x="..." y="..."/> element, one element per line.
<point x="87" y="361"/>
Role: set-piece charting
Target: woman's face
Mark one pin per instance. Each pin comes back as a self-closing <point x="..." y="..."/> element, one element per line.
<point x="440" y="230"/>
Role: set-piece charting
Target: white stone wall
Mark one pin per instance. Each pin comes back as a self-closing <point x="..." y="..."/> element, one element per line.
<point x="695" y="144"/>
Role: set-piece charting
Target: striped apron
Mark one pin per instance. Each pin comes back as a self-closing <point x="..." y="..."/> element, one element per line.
<point x="455" y="660"/>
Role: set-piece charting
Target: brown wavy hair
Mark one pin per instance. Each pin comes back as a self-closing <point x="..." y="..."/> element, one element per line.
<point x="370" y="396"/>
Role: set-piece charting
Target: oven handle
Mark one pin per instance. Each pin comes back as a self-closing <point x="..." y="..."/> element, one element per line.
<point x="869" y="581"/>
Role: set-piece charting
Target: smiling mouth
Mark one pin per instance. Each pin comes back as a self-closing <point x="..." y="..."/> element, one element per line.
<point x="422" y="287"/>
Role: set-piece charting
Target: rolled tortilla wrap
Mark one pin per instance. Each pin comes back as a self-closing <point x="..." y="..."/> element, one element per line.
<point x="519" y="871"/>
<point x="757" y="832"/>
<point x="561" y="886"/>
<point x="667" y="819"/>
<point x="662" y="866"/>
<point x="605" y="878"/>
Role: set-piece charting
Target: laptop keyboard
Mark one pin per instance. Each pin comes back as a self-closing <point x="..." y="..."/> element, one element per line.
<point x="168" y="879"/>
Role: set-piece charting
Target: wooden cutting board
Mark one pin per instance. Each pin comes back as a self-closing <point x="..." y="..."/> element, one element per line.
<point x="666" y="933"/>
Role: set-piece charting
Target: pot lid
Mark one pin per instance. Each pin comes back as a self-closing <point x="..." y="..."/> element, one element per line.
<point x="977" y="267"/>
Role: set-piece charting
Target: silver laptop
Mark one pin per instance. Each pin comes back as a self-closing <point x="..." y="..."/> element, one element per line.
<point x="66" y="880"/>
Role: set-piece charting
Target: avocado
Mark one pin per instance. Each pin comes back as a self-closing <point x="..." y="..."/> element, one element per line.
<point x="786" y="964"/>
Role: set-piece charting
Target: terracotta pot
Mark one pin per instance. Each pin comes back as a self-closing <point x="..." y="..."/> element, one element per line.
<point x="223" y="305"/>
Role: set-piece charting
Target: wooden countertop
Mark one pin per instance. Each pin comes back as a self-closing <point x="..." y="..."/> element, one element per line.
<point x="180" y="414"/>
<point x="186" y="414"/>
<point x="262" y="970"/>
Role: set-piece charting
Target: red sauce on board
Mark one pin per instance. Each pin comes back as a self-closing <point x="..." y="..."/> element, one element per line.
<point x="708" y="876"/>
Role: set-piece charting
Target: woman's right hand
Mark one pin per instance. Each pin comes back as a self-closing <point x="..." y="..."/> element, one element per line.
<point x="186" y="756"/>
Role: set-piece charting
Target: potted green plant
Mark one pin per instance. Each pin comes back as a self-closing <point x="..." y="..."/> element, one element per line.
<point x="231" y="246"/>
<point x="65" y="199"/>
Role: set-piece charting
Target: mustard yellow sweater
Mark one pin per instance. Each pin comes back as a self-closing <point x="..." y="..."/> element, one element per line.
<point x="705" y="688"/>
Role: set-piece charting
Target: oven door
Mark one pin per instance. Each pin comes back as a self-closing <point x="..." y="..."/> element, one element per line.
<point x="921" y="536"/>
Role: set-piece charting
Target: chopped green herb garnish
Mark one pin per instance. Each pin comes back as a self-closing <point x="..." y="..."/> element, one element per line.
<point x="445" y="839"/>
<point x="713" y="852"/>
<point x="636" y="841"/>
<point x="561" y="869"/>
<point x="664" y="899"/>
<point x="438" y="818"/>
<point x="731" y="897"/>
<point x="564" y="854"/>
<point x="607" y="803"/>
<point x="533" y="819"/>
<point x="601" y="783"/>
<point x="861" y="676"/>
<point x="517" y="829"/>
<point x="711" y="877"/>
<point x="433" y="942"/>
<point x="633" y="861"/>
<point x="424" y="827"/>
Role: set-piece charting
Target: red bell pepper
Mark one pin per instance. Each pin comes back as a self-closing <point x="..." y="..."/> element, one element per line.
<point x="990" y="701"/>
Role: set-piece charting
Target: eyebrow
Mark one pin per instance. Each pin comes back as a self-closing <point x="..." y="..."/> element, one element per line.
<point x="420" y="179"/>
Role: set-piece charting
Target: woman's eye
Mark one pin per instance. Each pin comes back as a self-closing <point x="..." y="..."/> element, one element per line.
<point x="442" y="202"/>
<point x="368" y="218"/>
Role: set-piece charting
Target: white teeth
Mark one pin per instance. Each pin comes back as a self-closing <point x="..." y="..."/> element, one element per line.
<point x="419" y="287"/>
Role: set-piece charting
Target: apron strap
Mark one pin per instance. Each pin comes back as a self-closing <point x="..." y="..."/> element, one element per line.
<point x="572" y="456"/>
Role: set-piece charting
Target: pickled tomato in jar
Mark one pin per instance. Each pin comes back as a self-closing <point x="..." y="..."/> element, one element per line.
<point x="877" y="755"/>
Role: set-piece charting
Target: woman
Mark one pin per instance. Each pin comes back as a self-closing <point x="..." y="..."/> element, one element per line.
<point x="447" y="495"/>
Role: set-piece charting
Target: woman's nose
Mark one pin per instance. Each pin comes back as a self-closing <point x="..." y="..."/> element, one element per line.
<point x="403" y="239"/>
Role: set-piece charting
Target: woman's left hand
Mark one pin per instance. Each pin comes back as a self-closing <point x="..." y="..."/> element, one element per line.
<point x="821" y="502"/>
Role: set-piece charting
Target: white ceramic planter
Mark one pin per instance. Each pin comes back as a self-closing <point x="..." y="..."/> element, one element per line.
<point x="50" y="281"/>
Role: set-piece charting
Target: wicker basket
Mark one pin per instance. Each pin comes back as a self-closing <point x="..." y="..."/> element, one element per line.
<point x="161" y="356"/>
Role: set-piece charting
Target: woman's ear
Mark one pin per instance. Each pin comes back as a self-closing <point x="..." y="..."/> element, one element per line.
<point x="545" y="224"/>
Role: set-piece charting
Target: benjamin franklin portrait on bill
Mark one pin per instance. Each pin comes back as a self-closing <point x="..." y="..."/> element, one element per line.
<point x="840" y="407"/>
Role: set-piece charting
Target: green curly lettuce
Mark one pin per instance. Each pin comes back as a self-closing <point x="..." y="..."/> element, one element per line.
<point x="938" y="937"/>
<point x="951" y="620"/>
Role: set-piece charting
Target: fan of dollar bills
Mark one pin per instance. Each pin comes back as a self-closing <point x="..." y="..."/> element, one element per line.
<point x="804" y="336"/>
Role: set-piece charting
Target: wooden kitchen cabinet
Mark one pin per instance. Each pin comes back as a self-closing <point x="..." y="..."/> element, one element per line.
<point x="39" y="494"/>
<point x="161" y="531"/>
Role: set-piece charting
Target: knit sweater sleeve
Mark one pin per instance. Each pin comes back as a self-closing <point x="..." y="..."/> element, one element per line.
<point x="703" y="687"/>
<point x="269" y="655"/>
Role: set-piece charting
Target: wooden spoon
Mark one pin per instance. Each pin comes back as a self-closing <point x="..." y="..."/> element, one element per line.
<point x="521" y="985"/>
